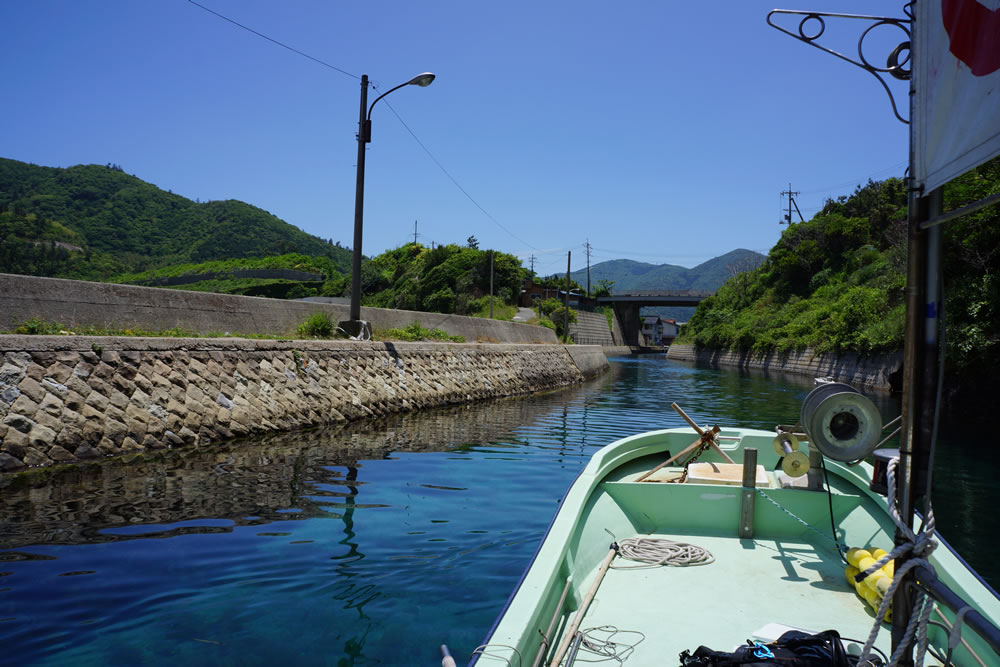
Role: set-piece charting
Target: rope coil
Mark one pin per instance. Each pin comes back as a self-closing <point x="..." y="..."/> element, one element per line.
<point x="654" y="552"/>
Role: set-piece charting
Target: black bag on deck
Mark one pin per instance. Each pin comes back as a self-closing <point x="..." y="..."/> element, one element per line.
<point x="794" y="648"/>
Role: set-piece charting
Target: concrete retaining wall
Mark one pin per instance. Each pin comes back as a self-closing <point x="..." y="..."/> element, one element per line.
<point x="589" y="359"/>
<point x="78" y="303"/>
<point x="878" y="371"/>
<point x="71" y="398"/>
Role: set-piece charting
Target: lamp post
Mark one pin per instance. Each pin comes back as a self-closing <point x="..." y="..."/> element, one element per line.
<point x="355" y="326"/>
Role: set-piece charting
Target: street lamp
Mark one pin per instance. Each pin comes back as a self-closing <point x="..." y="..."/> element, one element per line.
<point x="355" y="326"/>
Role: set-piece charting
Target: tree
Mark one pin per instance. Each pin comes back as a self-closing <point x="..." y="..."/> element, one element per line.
<point x="472" y="242"/>
<point x="603" y="287"/>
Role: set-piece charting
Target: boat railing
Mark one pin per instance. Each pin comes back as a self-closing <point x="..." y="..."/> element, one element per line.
<point x="970" y="616"/>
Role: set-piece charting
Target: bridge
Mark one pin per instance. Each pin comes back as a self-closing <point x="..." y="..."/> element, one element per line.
<point x="627" y="307"/>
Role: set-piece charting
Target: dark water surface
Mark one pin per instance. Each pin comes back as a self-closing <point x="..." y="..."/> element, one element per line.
<point x="369" y="544"/>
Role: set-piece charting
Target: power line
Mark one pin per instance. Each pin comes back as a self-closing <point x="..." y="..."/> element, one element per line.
<point x="452" y="179"/>
<point x="274" y="41"/>
<point x="395" y="113"/>
<point x="856" y="180"/>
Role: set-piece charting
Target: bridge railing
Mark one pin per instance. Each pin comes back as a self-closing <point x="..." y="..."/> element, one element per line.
<point x="592" y="340"/>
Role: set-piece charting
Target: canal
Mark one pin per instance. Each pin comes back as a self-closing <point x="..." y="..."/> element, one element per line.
<point x="368" y="544"/>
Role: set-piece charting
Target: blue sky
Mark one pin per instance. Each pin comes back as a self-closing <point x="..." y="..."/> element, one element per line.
<point x="659" y="131"/>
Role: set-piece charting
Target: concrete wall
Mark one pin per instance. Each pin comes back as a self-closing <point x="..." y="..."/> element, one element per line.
<point x="73" y="398"/>
<point x="591" y="329"/>
<point x="878" y="371"/>
<point x="77" y="303"/>
<point x="589" y="359"/>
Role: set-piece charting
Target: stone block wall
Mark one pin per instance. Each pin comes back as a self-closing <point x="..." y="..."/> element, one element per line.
<point x="72" y="398"/>
<point x="877" y="371"/>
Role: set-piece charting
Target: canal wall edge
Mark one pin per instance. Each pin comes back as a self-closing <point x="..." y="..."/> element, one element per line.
<point x="80" y="303"/>
<point x="65" y="399"/>
<point x="876" y="371"/>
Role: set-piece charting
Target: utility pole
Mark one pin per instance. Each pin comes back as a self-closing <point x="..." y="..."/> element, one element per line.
<point x="532" y="260"/>
<point x="414" y="231"/>
<point x="587" y="246"/>
<point x="569" y="254"/>
<point x="492" y="252"/>
<point x="791" y="202"/>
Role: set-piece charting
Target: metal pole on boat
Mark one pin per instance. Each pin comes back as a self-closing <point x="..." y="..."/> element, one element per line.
<point x="920" y="374"/>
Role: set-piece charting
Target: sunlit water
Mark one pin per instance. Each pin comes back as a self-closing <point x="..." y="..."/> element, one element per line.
<point x="369" y="544"/>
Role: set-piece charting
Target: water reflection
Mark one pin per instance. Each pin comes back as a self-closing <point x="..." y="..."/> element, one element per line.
<point x="327" y="546"/>
<point x="246" y="482"/>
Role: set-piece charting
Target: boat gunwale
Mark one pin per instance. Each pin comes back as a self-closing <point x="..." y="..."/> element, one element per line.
<point x="616" y="454"/>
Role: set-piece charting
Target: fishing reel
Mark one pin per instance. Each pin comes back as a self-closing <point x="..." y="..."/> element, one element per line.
<point x="841" y="422"/>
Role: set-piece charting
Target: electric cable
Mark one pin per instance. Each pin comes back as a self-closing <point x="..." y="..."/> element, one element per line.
<point x="395" y="113"/>
<point x="274" y="41"/>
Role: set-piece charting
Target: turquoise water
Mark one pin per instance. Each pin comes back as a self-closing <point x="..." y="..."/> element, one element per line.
<point x="370" y="544"/>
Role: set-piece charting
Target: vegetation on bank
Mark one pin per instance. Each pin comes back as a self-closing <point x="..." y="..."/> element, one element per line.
<point x="413" y="332"/>
<point x="41" y="327"/>
<point x="835" y="283"/>
<point x="319" y="325"/>
<point x="225" y="277"/>
<point x="445" y="279"/>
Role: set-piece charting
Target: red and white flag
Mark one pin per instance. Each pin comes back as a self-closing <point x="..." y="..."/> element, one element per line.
<point x="956" y="68"/>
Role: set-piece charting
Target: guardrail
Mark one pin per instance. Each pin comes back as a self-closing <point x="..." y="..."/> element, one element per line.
<point x="592" y="340"/>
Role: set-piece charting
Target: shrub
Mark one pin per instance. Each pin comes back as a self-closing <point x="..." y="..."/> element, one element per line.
<point x="36" y="326"/>
<point x="413" y="332"/>
<point x="319" y="325"/>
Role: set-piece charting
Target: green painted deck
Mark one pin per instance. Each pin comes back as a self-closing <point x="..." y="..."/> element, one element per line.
<point x="789" y="574"/>
<point x="753" y="582"/>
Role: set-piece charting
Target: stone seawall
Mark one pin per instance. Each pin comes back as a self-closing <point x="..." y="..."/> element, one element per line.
<point x="73" y="398"/>
<point x="877" y="371"/>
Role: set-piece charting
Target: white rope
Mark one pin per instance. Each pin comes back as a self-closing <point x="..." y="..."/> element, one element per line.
<point x="653" y="552"/>
<point x="920" y="547"/>
<point x="598" y="641"/>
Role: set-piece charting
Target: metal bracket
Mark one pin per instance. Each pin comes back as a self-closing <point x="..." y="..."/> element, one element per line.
<point x="748" y="494"/>
<point x="812" y="26"/>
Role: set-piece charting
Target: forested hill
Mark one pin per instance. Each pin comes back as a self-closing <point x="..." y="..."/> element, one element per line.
<point x="629" y="275"/>
<point x="835" y="283"/>
<point x="92" y="222"/>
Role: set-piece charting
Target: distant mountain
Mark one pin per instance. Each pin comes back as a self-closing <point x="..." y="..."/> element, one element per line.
<point x="629" y="276"/>
<point x="95" y="221"/>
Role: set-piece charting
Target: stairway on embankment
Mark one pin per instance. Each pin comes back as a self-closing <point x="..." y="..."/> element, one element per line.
<point x="591" y="329"/>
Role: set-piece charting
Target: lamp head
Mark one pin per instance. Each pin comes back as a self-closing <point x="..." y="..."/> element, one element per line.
<point x="422" y="80"/>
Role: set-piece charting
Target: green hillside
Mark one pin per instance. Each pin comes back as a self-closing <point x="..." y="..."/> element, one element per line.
<point x="835" y="283"/>
<point x="629" y="275"/>
<point x="93" y="222"/>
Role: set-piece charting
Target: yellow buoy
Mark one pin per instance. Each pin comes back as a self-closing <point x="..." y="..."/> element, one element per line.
<point x="878" y="554"/>
<point x="849" y="573"/>
<point x="866" y="563"/>
<point x="871" y="597"/>
<point x="855" y="554"/>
